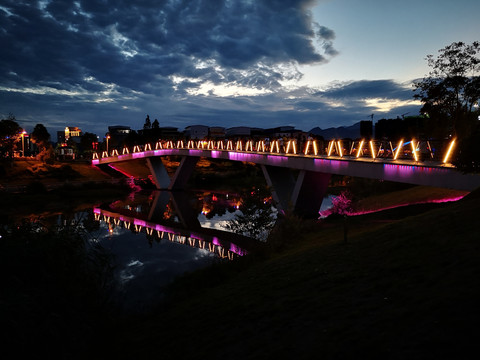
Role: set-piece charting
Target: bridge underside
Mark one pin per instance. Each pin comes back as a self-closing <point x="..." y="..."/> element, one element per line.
<point x="302" y="195"/>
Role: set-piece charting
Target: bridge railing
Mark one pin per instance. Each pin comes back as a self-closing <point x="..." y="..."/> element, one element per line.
<point x="413" y="150"/>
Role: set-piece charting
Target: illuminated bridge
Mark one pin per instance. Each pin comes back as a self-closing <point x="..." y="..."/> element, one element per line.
<point x="411" y="162"/>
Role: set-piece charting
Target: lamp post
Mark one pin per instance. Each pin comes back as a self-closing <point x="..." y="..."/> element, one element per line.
<point x="23" y="142"/>
<point x="107" y="137"/>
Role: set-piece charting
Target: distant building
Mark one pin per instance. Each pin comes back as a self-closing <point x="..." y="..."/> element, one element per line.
<point x="70" y="133"/>
<point x="118" y="134"/>
<point x="282" y="131"/>
<point x="238" y="131"/>
<point x="65" y="152"/>
<point x="119" y="130"/>
<point x="366" y="129"/>
<point x="196" y="132"/>
<point x="216" y="132"/>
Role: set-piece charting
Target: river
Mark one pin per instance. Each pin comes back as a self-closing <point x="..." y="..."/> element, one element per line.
<point x="153" y="237"/>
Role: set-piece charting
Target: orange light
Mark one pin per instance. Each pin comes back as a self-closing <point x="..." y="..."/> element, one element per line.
<point x="449" y="151"/>
<point x="340" y="152"/>
<point x="372" y="149"/>
<point x="294" y="148"/>
<point x="330" y="147"/>
<point x="398" y="149"/>
<point x="261" y="145"/>
<point x="414" y="150"/>
<point x="429" y="149"/>
<point x="307" y="147"/>
<point x="360" y="149"/>
<point x="275" y="146"/>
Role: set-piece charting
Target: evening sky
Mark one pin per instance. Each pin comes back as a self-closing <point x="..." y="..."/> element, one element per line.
<point x="264" y="63"/>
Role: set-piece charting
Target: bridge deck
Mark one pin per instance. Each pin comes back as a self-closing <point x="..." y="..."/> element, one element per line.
<point x="431" y="173"/>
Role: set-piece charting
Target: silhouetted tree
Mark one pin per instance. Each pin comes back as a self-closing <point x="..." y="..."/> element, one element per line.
<point x="155" y="124"/>
<point x="40" y="135"/>
<point x="467" y="157"/>
<point x="9" y="136"/>
<point x="132" y="139"/>
<point x="148" y="123"/>
<point x="451" y="89"/>
<point x="41" y="138"/>
<point x="87" y="141"/>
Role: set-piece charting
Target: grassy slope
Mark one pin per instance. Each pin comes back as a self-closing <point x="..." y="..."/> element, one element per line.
<point x="24" y="171"/>
<point x="76" y="185"/>
<point x="403" y="289"/>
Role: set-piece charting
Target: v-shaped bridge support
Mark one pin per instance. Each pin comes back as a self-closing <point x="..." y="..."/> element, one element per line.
<point x="303" y="195"/>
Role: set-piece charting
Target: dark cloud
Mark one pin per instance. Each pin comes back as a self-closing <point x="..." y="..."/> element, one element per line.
<point x="94" y="63"/>
<point x="133" y="43"/>
<point x="369" y="88"/>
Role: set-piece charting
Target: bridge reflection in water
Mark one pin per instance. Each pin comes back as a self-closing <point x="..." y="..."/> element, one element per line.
<point x="180" y="226"/>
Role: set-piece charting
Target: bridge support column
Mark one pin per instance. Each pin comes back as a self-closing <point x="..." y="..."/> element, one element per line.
<point x="179" y="180"/>
<point x="281" y="182"/>
<point x="159" y="172"/>
<point x="310" y="189"/>
<point x="304" y="196"/>
<point x="184" y="170"/>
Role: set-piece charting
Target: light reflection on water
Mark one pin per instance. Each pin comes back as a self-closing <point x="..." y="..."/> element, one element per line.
<point x="145" y="264"/>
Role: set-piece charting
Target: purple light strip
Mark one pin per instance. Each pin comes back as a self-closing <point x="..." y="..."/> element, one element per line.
<point x="215" y="241"/>
<point x="239" y="156"/>
<point x="277" y="159"/>
<point x="397" y="168"/>
<point x="365" y="212"/>
<point x="138" y="155"/>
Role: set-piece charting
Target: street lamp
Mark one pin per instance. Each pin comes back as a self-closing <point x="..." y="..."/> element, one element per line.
<point x="23" y="142"/>
<point x="107" y="137"/>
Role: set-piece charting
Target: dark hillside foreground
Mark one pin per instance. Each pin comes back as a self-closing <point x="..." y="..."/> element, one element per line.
<point x="397" y="289"/>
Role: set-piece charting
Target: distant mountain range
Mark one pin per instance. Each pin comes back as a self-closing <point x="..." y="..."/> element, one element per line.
<point x="341" y="132"/>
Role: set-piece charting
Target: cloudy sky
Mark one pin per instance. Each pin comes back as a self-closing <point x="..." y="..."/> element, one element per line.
<point x="263" y="63"/>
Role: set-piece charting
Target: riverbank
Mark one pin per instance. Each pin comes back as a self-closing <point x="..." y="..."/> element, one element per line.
<point x="17" y="175"/>
<point x="400" y="287"/>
